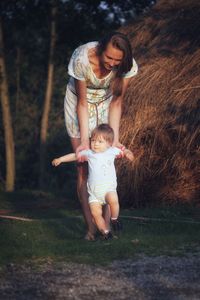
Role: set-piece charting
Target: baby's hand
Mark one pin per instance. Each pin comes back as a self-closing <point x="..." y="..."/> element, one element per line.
<point x="56" y="162"/>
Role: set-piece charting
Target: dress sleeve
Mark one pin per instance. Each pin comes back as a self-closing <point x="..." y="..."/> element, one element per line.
<point x="76" y="67"/>
<point x="133" y="71"/>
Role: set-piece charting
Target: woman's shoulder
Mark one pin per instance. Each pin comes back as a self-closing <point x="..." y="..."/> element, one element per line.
<point x="82" y="50"/>
<point x="133" y="71"/>
<point x="79" y="61"/>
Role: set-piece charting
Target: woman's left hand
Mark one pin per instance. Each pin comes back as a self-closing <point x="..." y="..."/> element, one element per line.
<point x="121" y="147"/>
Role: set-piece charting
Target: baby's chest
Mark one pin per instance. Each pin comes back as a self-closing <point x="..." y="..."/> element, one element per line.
<point x="103" y="165"/>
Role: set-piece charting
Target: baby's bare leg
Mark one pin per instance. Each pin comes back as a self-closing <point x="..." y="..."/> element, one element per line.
<point x="112" y="200"/>
<point x="96" y="211"/>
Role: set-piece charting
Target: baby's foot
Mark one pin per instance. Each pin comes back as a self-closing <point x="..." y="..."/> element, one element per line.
<point x="107" y="236"/>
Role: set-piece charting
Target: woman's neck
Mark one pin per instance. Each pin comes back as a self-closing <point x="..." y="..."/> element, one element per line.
<point x="95" y="63"/>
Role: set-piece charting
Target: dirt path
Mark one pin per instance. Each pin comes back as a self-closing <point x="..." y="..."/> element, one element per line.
<point x="156" y="278"/>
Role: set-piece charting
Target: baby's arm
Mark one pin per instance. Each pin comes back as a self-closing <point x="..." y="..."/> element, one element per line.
<point x="66" y="158"/>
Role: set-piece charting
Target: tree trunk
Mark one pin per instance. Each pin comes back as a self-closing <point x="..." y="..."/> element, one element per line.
<point x="17" y="82"/>
<point x="7" y="121"/>
<point x="47" y="102"/>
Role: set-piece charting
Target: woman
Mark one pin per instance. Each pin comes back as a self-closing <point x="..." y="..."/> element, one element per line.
<point x="99" y="75"/>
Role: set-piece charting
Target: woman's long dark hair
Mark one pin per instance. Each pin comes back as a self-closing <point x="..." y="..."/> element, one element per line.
<point x="121" y="42"/>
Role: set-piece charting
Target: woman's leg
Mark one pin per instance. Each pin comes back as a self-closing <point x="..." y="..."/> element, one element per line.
<point x="106" y="215"/>
<point x="82" y="173"/>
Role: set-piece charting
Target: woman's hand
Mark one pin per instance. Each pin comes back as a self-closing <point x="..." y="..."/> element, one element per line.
<point x="121" y="147"/>
<point x="81" y="147"/>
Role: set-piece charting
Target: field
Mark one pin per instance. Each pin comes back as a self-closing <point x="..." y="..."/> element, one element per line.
<point x="35" y="226"/>
<point x="43" y="254"/>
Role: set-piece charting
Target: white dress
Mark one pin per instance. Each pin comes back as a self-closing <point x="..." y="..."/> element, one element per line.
<point x="98" y="93"/>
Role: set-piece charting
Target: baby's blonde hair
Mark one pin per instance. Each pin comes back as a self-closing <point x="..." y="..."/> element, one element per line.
<point x="105" y="131"/>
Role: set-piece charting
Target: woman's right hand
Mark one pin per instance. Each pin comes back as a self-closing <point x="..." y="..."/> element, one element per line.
<point x="81" y="147"/>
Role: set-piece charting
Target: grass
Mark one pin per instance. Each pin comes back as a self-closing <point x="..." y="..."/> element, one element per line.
<point x="57" y="229"/>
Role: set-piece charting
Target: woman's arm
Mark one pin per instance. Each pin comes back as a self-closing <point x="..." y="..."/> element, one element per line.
<point x="115" y="111"/>
<point x="82" y="112"/>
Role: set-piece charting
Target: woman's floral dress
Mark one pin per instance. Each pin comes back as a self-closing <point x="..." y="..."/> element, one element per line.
<point x="99" y="95"/>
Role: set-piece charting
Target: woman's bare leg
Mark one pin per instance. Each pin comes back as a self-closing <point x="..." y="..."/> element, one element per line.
<point x="82" y="173"/>
<point x="106" y="215"/>
<point x="83" y="197"/>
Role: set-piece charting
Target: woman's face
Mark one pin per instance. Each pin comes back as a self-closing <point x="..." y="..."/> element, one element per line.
<point x="111" y="57"/>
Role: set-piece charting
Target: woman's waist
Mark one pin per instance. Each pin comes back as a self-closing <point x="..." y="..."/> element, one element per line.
<point x="93" y="96"/>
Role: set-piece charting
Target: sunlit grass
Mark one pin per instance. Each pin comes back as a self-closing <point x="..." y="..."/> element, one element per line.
<point x="58" y="234"/>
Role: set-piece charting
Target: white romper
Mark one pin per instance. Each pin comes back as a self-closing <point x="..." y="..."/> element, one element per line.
<point x="101" y="173"/>
<point x="98" y="93"/>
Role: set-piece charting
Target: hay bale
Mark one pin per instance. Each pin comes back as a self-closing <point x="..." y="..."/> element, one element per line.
<point x="161" y="112"/>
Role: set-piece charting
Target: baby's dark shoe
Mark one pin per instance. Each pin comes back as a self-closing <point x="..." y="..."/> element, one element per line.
<point x="116" y="225"/>
<point x="106" y="236"/>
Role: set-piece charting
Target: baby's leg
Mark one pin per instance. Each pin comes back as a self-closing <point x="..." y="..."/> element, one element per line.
<point x="96" y="211"/>
<point x="112" y="200"/>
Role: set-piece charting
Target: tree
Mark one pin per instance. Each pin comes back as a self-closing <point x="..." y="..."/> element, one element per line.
<point x="7" y="120"/>
<point x="48" y="96"/>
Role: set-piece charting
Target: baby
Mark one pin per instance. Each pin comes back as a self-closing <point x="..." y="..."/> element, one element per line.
<point x="102" y="181"/>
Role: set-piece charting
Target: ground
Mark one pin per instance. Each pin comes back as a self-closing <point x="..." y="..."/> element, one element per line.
<point x="144" y="277"/>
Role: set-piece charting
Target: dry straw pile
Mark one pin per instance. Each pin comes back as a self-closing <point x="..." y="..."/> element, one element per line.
<point x="161" y="117"/>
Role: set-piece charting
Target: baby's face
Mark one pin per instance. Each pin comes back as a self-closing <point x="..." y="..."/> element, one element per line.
<point x="99" y="144"/>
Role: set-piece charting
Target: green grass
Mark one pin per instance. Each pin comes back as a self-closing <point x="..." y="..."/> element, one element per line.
<point x="57" y="231"/>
